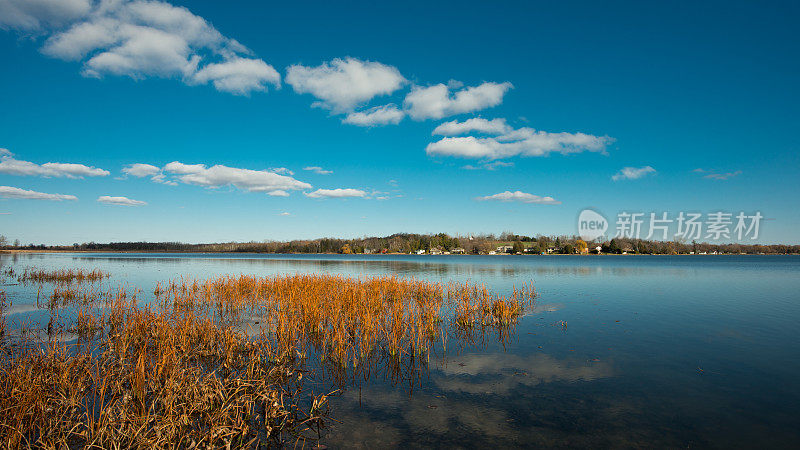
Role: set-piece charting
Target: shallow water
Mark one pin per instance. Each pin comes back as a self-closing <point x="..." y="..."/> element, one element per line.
<point x="658" y="351"/>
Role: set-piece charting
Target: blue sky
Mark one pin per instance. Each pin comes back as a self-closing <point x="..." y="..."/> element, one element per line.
<point x="566" y="96"/>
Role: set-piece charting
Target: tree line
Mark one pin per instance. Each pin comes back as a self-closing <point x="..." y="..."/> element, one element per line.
<point x="441" y="242"/>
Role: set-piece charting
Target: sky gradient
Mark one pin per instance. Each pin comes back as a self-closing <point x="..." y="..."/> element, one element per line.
<point x="211" y="121"/>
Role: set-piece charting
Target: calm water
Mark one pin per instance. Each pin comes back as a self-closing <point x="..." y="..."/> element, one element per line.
<point x="658" y="351"/>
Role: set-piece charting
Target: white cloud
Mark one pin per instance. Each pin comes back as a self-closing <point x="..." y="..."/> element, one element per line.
<point x="435" y="102"/>
<point x="11" y="166"/>
<point x="14" y="192"/>
<point x="32" y="15"/>
<point x="318" y="170"/>
<point x="343" y="84"/>
<point x="632" y="173"/>
<point x="81" y="39"/>
<point x="723" y="176"/>
<point x="281" y="170"/>
<point x="141" y="170"/>
<point x="379" y="115"/>
<point x="519" y="142"/>
<point x="245" y="179"/>
<point x="494" y="165"/>
<point x="714" y="175"/>
<point x="139" y="52"/>
<point x="239" y="75"/>
<point x="72" y="170"/>
<point x="337" y="193"/>
<point x="147" y="170"/>
<point x="520" y="196"/>
<point x="454" y="128"/>
<point x="139" y="39"/>
<point x="278" y="193"/>
<point x="285" y="214"/>
<point x="120" y="201"/>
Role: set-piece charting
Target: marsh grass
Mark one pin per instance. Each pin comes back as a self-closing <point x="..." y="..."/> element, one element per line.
<point x="227" y="361"/>
<point x="354" y="328"/>
<point x="33" y="275"/>
<point x="3" y="306"/>
<point x="142" y="377"/>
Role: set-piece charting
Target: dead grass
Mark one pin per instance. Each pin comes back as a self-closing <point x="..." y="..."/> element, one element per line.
<point x="61" y="276"/>
<point x="142" y="377"/>
<point x="355" y="327"/>
<point x="223" y="362"/>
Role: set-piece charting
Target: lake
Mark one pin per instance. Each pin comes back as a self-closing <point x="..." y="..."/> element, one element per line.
<point x="619" y="351"/>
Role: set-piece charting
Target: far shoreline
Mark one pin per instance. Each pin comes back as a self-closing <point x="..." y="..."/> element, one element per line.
<point x="185" y="252"/>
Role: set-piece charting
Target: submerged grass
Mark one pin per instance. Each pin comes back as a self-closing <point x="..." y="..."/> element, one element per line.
<point x="354" y="326"/>
<point x="141" y="377"/>
<point x="221" y="362"/>
<point x="60" y="276"/>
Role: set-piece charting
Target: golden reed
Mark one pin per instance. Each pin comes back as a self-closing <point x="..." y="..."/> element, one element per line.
<point x="220" y="362"/>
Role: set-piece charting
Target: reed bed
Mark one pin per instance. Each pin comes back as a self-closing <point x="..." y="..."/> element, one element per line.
<point x="3" y="306"/>
<point x="225" y="362"/>
<point x="351" y="325"/>
<point x="61" y="276"/>
<point x="153" y="377"/>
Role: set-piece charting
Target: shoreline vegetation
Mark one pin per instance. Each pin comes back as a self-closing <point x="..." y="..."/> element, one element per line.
<point x="427" y="244"/>
<point x="234" y="361"/>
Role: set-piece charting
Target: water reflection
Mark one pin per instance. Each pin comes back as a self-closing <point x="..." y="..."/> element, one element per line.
<point x="500" y="373"/>
<point x="452" y="266"/>
<point x="464" y="406"/>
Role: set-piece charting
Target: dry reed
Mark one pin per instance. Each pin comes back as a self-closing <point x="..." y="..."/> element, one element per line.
<point x="141" y="377"/>
<point x="221" y="362"/>
<point x="350" y="324"/>
<point x="61" y="276"/>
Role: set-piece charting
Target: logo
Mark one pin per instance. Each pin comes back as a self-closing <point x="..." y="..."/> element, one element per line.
<point x="591" y="225"/>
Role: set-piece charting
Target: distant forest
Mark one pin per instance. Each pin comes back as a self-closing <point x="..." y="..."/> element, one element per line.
<point x="431" y="244"/>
